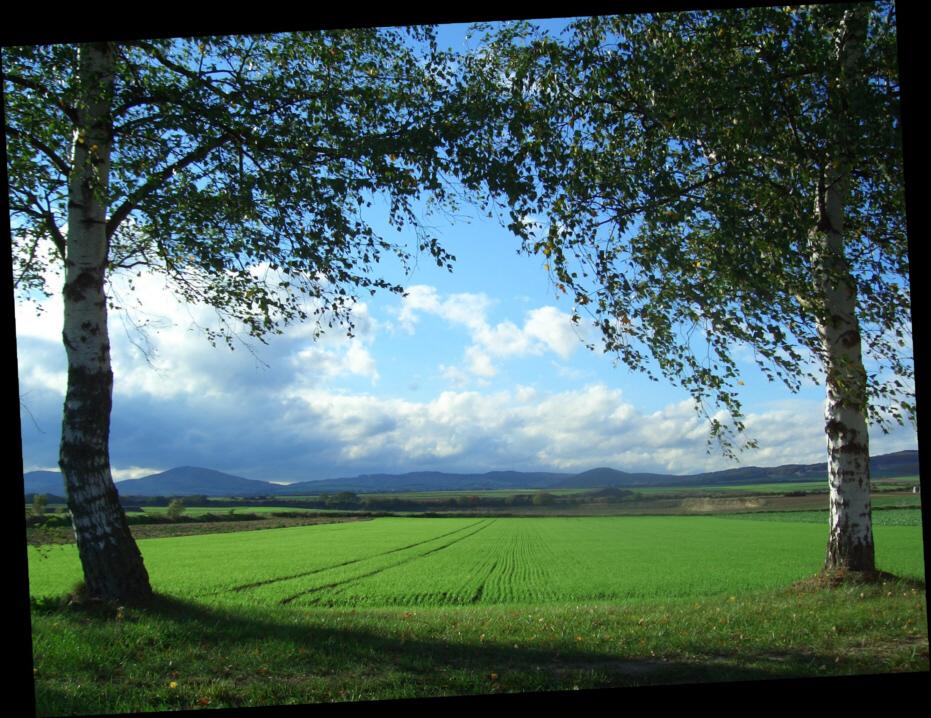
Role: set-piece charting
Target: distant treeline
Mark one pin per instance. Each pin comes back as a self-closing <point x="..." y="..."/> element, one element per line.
<point x="469" y="501"/>
<point x="347" y="500"/>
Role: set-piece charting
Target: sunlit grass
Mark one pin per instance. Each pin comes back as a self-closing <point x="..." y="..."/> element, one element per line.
<point x="466" y="561"/>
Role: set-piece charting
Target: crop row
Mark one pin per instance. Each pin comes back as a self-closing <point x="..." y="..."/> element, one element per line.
<point x="432" y="562"/>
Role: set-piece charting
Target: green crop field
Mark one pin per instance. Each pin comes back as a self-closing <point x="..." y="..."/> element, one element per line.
<point x="412" y="607"/>
<point x="435" y="562"/>
<point x="904" y="483"/>
<point x="886" y="517"/>
<point x="771" y="488"/>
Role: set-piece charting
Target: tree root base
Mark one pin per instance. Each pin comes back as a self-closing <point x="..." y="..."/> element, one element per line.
<point x="838" y="577"/>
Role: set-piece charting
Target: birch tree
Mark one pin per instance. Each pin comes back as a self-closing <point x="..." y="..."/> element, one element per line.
<point x="240" y="168"/>
<point x="705" y="180"/>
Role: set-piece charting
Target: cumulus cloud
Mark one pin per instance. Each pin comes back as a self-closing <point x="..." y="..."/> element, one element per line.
<point x="159" y="347"/>
<point x="554" y="329"/>
<point x="196" y="405"/>
<point x="527" y="429"/>
<point x="545" y="329"/>
<point x="313" y="364"/>
<point x="479" y="363"/>
<point x="168" y="377"/>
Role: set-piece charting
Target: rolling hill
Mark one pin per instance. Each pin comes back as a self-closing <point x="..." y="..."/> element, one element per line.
<point x="190" y="480"/>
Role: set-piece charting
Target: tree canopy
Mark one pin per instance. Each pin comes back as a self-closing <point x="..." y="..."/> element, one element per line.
<point x="241" y="165"/>
<point x="240" y="168"/>
<point x="700" y="182"/>
<point x="675" y="162"/>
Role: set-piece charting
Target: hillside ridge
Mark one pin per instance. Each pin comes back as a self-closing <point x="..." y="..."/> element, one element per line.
<point x="192" y="480"/>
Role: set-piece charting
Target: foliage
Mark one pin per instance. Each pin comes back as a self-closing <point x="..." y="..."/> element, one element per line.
<point x="241" y="166"/>
<point x="671" y="165"/>
<point x="542" y="498"/>
<point x="175" y="509"/>
<point x="342" y="499"/>
<point x="39" y="503"/>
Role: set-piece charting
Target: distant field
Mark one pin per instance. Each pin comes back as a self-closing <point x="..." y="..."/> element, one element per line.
<point x="880" y="485"/>
<point x="885" y="517"/>
<point x="500" y="493"/>
<point x="895" y="479"/>
<point x="224" y="510"/>
<point x="880" y="501"/>
<point x="772" y="487"/>
<point x="725" y="488"/>
<point x="424" y="562"/>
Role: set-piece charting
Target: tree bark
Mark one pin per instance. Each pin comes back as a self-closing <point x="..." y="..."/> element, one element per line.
<point x="850" y="542"/>
<point x="112" y="563"/>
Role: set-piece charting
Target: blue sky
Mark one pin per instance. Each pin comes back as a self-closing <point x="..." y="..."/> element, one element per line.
<point x="476" y="370"/>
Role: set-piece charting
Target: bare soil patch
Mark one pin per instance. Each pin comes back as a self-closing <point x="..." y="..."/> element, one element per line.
<point x="64" y="534"/>
<point x="714" y="505"/>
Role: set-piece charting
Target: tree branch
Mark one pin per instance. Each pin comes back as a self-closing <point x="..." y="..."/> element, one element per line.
<point x="57" y="237"/>
<point x="196" y="77"/>
<point x="157" y="179"/>
<point x="69" y="112"/>
<point x="62" y="166"/>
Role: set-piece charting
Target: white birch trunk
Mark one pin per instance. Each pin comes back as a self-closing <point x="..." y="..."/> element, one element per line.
<point x="112" y="564"/>
<point x="850" y="542"/>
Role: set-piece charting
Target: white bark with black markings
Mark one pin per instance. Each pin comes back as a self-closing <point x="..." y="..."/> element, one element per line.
<point x="850" y="541"/>
<point x="113" y="567"/>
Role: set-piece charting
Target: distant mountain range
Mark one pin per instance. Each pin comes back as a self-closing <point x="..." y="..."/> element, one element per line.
<point x="190" y="480"/>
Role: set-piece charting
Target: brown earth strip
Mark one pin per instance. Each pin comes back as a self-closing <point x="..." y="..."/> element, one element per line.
<point x="64" y="534"/>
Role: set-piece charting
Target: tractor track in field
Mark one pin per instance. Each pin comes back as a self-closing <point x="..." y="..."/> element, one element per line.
<point x="477" y="596"/>
<point x="278" y="579"/>
<point x="315" y="589"/>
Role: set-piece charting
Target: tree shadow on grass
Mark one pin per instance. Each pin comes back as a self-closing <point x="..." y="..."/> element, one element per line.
<point x="403" y="660"/>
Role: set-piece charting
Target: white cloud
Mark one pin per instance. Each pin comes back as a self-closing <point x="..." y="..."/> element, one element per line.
<point x="360" y="362"/>
<point x="45" y="324"/>
<point x="159" y="348"/>
<point x="203" y="406"/>
<point x="454" y="375"/>
<point x="479" y="363"/>
<point x="527" y="429"/>
<point x="545" y="329"/>
<point x="133" y="472"/>
<point x="554" y="329"/>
